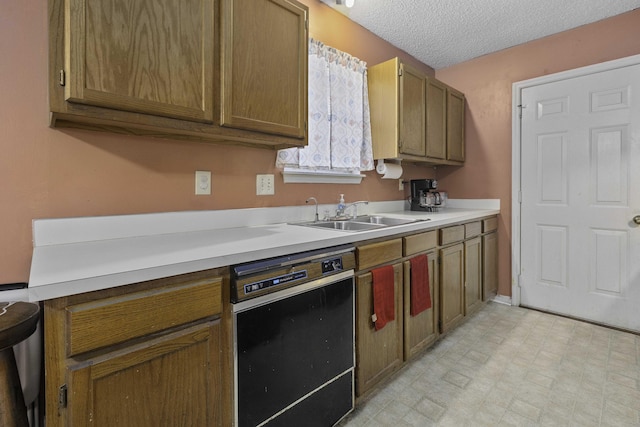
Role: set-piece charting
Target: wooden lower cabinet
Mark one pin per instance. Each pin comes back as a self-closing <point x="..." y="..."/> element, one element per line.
<point x="378" y="353"/>
<point x="490" y="265"/>
<point x="421" y="331"/>
<point x="472" y="275"/>
<point x="490" y="257"/>
<point x="451" y="286"/>
<point x="171" y="380"/>
<point x="462" y="261"/>
<point x="143" y="355"/>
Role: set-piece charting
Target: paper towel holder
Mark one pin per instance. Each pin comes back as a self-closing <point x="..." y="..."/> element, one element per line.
<point x="392" y="161"/>
<point x="391" y="170"/>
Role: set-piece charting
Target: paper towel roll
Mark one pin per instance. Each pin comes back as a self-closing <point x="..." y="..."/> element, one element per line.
<point x="389" y="170"/>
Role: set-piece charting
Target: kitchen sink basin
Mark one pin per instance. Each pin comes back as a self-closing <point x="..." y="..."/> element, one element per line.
<point x="361" y="223"/>
<point x="348" y="225"/>
<point x="383" y="220"/>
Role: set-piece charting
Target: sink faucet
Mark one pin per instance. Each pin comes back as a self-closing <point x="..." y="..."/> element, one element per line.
<point x="313" y="199"/>
<point x="354" y="205"/>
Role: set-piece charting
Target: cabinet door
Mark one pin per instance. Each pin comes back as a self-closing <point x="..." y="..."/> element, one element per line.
<point x="436" y="100"/>
<point x="378" y="353"/>
<point x="422" y="330"/>
<point x="490" y="265"/>
<point x="264" y="66"/>
<point x="145" y="56"/>
<point x="168" y="381"/>
<point x="472" y="275"/>
<point x="455" y="125"/>
<point x="412" y="112"/>
<point x="451" y="286"/>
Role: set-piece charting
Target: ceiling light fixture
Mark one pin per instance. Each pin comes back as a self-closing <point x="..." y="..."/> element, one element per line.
<point x="348" y="3"/>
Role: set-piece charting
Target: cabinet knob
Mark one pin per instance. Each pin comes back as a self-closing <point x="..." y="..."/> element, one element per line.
<point x="636" y="219"/>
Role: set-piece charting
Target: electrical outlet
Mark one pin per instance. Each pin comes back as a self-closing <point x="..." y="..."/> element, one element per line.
<point x="265" y="185"/>
<point x="203" y="182"/>
<point x="400" y="185"/>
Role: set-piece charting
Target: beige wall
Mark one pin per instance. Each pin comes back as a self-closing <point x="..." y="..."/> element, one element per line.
<point x="47" y="173"/>
<point x="487" y="81"/>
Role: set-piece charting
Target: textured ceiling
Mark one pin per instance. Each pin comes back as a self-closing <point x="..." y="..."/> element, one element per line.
<point x="441" y="33"/>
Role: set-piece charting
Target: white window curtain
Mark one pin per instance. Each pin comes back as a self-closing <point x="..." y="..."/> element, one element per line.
<point x="339" y="126"/>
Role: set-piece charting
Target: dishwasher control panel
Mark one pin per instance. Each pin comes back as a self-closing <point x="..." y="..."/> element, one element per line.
<point x="332" y="265"/>
<point x="271" y="275"/>
<point x="274" y="281"/>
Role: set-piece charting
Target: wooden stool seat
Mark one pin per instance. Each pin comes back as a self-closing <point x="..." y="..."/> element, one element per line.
<point x="18" y="320"/>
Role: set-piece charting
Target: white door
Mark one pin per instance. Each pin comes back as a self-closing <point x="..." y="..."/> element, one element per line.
<point x="580" y="183"/>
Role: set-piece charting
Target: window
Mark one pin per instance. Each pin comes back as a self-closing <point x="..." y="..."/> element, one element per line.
<point x="339" y="145"/>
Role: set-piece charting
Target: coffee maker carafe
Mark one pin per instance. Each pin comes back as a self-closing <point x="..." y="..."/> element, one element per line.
<point x="424" y="195"/>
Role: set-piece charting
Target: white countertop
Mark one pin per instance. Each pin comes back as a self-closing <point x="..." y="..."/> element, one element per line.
<point x="75" y="255"/>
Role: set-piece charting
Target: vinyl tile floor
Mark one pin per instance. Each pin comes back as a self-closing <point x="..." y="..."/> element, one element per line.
<point x="510" y="366"/>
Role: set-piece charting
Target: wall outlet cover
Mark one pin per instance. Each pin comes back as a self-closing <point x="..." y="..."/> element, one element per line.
<point x="203" y="183"/>
<point x="265" y="185"/>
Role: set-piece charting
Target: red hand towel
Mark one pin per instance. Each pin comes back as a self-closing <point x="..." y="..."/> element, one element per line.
<point x="420" y="292"/>
<point x="383" y="296"/>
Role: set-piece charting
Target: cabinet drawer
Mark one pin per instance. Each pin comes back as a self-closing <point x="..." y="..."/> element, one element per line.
<point x="378" y="253"/>
<point x="489" y="224"/>
<point x="472" y="229"/>
<point x="451" y="234"/>
<point x="420" y="242"/>
<point x="110" y="321"/>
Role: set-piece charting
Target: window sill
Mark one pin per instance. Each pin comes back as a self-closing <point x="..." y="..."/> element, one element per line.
<point x="301" y="176"/>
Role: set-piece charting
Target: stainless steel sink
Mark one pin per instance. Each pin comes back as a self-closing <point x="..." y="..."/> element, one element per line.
<point x="347" y="225"/>
<point x="383" y="220"/>
<point x="361" y="223"/>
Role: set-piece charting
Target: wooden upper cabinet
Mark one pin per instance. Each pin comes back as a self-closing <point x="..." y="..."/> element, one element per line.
<point x="146" y="56"/>
<point x="413" y="116"/>
<point x="412" y="111"/>
<point x="455" y="125"/>
<point x="232" y="71"/>
<point x="436" y="100"/>
<point x="397" y="107"/>
<point x="264" y="66"/>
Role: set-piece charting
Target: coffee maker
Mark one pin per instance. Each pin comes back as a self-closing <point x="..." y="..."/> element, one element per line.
<point x="424" y="195"/>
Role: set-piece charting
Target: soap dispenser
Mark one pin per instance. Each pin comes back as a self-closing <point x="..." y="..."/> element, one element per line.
<point x="341" y="206"/>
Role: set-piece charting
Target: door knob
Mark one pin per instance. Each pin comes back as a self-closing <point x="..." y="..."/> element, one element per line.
<point x="636" y="219"/>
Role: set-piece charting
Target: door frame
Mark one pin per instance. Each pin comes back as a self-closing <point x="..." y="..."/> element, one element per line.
<point x="516" y="141"/>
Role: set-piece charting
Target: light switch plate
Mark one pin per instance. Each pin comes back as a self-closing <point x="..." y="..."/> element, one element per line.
<point x="203" y="182"/>
<point x="265" y="185"/>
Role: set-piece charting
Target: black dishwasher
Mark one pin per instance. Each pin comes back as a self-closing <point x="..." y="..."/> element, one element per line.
<point x="294" y="341"/>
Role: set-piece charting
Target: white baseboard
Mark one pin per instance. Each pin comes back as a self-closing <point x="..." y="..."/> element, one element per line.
<point x="502" y="299"/>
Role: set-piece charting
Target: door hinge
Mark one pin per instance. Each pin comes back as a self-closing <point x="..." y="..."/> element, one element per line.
<point x="62" y="396"/>
<point x="61" y="78"/>
<point x="400" y="71"/>
<point x="520" y="107"/>
<point x="520" y="196"/>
